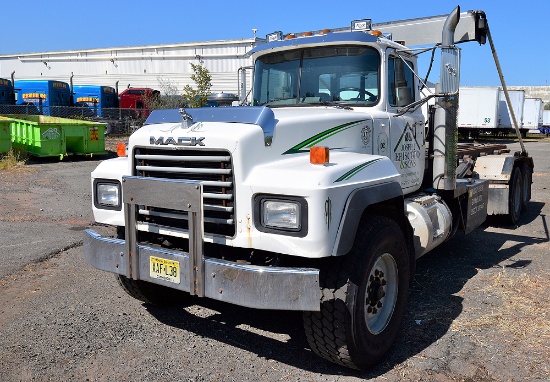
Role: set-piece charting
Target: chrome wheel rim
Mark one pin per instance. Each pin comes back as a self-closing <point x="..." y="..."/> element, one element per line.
<point x="381" y="293"/>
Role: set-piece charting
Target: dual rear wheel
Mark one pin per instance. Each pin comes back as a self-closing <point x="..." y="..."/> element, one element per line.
<point x="519" y="192"/>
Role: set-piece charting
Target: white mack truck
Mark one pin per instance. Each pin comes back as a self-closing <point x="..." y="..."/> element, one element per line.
<point x="320" y="196"/>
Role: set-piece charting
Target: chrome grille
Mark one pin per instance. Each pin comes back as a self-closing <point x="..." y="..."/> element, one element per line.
<point x="213" y="168"/>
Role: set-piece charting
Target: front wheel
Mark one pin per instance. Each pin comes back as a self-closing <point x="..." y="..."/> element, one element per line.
<point x="363" y="298"/>
<point x="147" y="292"/>
<point x="152" y="293"/>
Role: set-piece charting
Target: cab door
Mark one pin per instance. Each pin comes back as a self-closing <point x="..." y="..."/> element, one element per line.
<point x="407" y="135"/>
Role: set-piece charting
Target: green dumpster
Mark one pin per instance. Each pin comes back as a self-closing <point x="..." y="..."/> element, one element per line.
<point x="46" y="136"/>
<point x="5" y="139"/>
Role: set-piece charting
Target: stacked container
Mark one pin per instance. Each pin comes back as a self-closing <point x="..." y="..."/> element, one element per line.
<point x="5" y="139"/>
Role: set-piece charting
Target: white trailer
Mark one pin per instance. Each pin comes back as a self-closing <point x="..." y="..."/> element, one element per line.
<point x="478" y="110"/>
<point x="532" y="114"/>
<point x="505" y="123"/>
<point x="545" y="129"/>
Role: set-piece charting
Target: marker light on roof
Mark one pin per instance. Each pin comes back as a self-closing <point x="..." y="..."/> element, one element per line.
<point x="306" y="34"/>
<point x="324" y="31"/>
<point x="290" y="36"/>
<point x="275" y="36"/>
<point x="376" y="33"/>
<point x="361" y="25"/>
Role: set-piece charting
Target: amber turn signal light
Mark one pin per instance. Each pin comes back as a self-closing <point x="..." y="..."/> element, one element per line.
<point x="319" y="155"/>
<point x="121" y="149"/>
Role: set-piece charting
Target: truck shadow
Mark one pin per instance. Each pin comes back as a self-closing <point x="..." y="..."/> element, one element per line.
<point x="433" y="304"/>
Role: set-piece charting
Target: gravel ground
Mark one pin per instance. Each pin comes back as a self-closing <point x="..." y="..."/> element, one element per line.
<point x="478" y="309"/>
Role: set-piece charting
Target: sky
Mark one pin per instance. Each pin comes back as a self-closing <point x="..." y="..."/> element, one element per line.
<point x="520" y="30"/>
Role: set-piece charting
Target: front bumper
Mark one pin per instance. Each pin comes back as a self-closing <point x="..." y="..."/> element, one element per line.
<point x="240" y="284"/>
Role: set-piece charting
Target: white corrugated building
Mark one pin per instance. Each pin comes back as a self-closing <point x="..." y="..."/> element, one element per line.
<point x="151" y="66"/>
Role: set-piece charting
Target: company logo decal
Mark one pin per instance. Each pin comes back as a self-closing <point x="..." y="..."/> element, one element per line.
<point x="407" y="150"/>
<point x="51" y="134"/>
<point x="382" y="143"/>
<point x="34" y="96"/>
<point x="179" y="141"/>
<point x="87" y="99"/>
<point x="365" y="134"/>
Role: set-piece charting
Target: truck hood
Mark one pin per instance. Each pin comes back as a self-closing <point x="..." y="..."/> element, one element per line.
<point x="199" y="135"/>
<point x="285" y="131"/>
<point x="298" y="129"/>
<point x="259" y="116"/>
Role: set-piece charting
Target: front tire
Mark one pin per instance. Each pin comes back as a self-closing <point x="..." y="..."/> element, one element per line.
<point x="150" y="293"/>
<point x="147" y="292"/>
<point x="363" y="298"/>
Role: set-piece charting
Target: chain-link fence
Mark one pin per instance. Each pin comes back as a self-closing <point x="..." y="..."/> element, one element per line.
<point x="120" y="121"/>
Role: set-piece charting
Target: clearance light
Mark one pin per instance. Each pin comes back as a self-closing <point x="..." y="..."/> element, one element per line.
<point x="121" y="149"/>
<point x="290" y="36"/>
<point x="376" y="33"/>
<point x="319" y="155"/>
<point x="361" y="25"/>
<point x="324" y="31"/>
<point x="306" y="34"/>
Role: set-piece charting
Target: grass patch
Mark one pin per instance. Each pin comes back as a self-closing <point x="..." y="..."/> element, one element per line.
<point x="519" y="313"/>
<point x="13" y="160"/>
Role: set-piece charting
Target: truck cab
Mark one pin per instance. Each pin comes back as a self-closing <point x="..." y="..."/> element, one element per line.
<point x="357" y="76"/>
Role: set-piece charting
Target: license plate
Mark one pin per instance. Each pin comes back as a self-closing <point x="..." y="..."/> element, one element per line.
<point x="163" y="269"/>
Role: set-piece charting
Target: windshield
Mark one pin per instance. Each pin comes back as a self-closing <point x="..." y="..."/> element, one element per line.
<point x="328" y="75"/>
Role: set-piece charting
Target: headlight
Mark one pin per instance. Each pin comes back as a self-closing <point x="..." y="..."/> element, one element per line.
<point x="279" y="214"/>
<point x="285" y="215"/>
<point x="107" y="194"/>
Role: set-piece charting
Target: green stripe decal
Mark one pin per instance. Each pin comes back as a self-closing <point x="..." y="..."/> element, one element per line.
<point x="304" y="146"/>
<point x="351" y="173"/>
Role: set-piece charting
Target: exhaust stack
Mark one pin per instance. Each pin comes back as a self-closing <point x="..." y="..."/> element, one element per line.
<point x="445" y="126"/>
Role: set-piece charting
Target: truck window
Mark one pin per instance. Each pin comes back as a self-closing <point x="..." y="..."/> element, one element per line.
<point x="400" y="82"/>
<point x="336" y="74"/>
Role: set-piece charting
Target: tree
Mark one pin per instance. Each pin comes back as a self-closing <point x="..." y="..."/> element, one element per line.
<point x="202" y="78"/>
<point x="169" y="97"/>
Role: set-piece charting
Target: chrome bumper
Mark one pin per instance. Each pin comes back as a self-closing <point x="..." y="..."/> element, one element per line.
<point x="245" y="285"/>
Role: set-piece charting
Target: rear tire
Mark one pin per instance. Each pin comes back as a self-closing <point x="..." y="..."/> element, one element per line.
<point x="363" y="298"/>
<point x="515" y="197"/>
<point x="527" y="180"/>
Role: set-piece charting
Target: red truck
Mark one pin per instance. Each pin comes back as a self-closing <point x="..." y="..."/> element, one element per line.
<point x="137" y="98"/>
